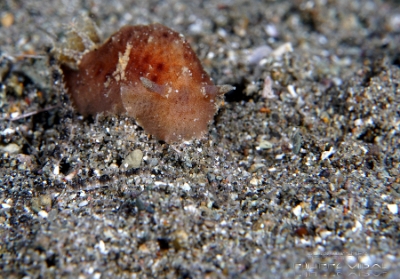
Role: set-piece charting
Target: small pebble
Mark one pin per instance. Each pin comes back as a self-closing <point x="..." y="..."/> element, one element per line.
<point x="279" y="156"/>
<point x="292" y="91"/>
<point x="154" y="162"/>
<point x="43" y="214"/>
<point x="297" y="141"/>
<point x="7" y="132"/>
<point x="265" y="145"/>
<point x="45" y="200"/>
<point x="326" y="154"/>
<point x="256" y="167"/>
<point x="181" y="240"/>
<point x="7" y="19"/>
<point x="186" y="187"/>
<point x="35" y="204"/>
<point x="297" y="211"/>
<point x="393" y="208"/>
<point x="56" y="170"/>
<point x="325" y="233"/>
<point x="254" y="181"/>
<point x="83" y="203"/>
<point x="133" y="160"/>
<point x="102" y="247"/>
<point x="11" y="148"/>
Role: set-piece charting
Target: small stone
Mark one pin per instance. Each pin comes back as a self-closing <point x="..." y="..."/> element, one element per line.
<point x="326" y="154"/>
<point x="292" y="91"/>
<point x="7" y="132"/>
<point x="7" y="19"/>
<point x="43" y="214"/>
<point x="279" y="156"/>
<point x="56" y="170"/>
<point x="265" y="145"/>
<point x="256" y="167"/>
<point x="297" y="141"/>
<point x="254" y="181"/>
<point x="102" y="247"/>
<point x="325" y="233"/>
<point x="393" y="208"/>
<point x="153" y="162"/>
<point x="45" y="200"/>
<point x="181" y="240"/>
<point x="11" y="148"/>
<point x="5" y="205"/>
<point x="160" y="183"/>
<point x="186" y="187"/>
<point x="133" y="160"/>
<point x="297" y="211"/>
<point x="35" y="204"/>
<point x="83" y="203"/>
<point x="357" y="226"/>
<point x="21" y="167"/>
<point x="358" y="122"/>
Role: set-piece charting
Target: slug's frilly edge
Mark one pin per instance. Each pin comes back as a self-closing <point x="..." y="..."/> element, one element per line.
<point x="149" y="72"/>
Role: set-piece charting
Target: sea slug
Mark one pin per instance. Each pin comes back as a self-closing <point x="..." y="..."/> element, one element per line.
<point x="149" y="72"/>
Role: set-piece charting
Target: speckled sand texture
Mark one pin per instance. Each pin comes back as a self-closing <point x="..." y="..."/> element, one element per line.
<point x="298" y="176"/>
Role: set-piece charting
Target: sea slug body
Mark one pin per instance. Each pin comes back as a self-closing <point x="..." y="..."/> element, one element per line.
<point x="151" y="73"/>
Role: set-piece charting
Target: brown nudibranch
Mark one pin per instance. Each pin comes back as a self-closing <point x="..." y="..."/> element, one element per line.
<point x="149" y="72"/>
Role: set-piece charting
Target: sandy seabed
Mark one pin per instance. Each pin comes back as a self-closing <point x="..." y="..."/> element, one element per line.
<point x="297" y="177"/>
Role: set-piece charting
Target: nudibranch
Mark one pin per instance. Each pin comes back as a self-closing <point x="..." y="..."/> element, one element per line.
<point x="149" y="72"/>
